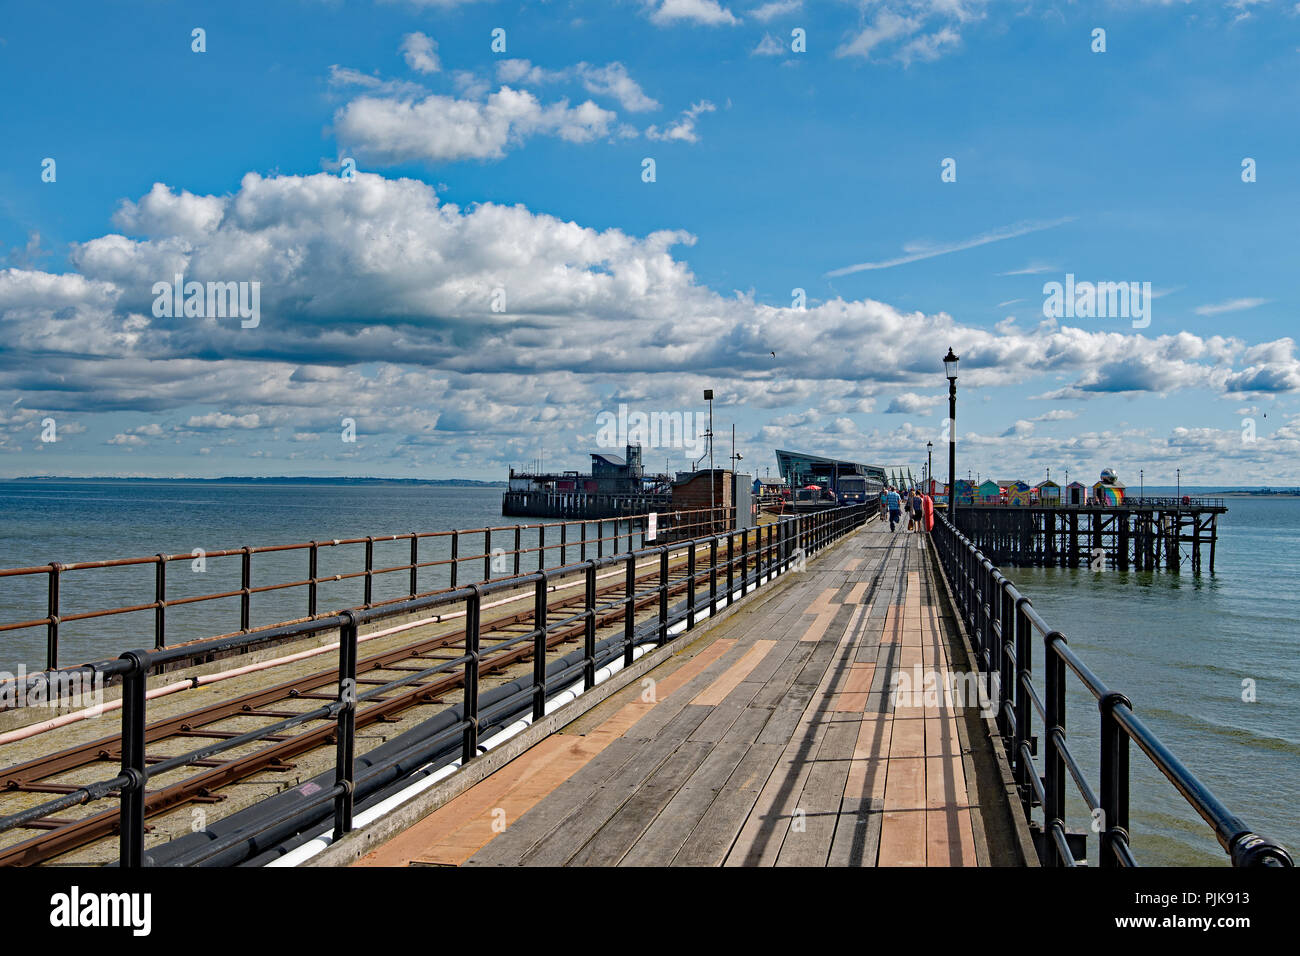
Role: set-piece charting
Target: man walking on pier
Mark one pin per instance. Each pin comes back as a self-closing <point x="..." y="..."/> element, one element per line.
<point x="895" y="506"/>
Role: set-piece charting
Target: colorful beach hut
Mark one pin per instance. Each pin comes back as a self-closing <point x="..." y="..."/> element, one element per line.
<point x="988" y="493"/>
<point x="1049" y="493"/>
<point x="964" y="492"/>
<point x="1109" y="494"/>
<point x="1076" y="493"/>
<point x="1019" y="494"/>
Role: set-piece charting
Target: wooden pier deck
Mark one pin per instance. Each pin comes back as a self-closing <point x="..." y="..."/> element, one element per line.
<point x="771" y="739"/>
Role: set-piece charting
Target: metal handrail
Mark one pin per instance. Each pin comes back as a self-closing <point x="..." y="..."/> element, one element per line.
<point x="989" y="603"/>
<point x="563" y="542"/>
<point x="777" y="548"/>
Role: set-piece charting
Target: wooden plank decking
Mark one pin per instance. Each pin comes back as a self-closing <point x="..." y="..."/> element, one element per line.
<point x="772" y="740"/>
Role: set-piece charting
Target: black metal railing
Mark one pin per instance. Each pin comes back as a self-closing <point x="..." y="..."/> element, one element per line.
<point x="417" y="564"/>
<point x="737" y="563"/>
<point x="1003" y="628"/>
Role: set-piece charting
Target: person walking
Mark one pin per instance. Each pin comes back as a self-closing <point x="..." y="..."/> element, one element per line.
<point x="918" y="512"/>
<point x="895" y="505"/>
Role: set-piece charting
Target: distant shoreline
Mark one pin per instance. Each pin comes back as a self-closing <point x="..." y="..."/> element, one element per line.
<point x="279" y="480"/>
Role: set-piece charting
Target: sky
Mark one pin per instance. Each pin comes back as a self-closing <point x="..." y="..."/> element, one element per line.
<point x="471" y="231"/>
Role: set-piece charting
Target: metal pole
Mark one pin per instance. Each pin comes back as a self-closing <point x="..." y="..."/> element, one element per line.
<point x="952" y="450"/>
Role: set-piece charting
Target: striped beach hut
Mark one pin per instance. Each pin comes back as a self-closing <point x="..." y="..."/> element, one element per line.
<point x="1076" y="493"/>
<point x="1019" y="494"/>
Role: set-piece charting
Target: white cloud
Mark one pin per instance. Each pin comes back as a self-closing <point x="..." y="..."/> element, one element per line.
<point x="910" y="403"/>
<point x="887" y="26"/>
<point x="1233" y="305"/>
<point x="420" y="53"/>
<point x="445" y="129"/>
<point x="360" y="276"/>
<point x="917" y="250"/>
<point x="221" y="420"/>
<point x="610" y="80"/>
<point x="776" y="8"/>
<point x="769" y="46"/>
<point x="708" y="12"/>
<point x="683" y="129"/>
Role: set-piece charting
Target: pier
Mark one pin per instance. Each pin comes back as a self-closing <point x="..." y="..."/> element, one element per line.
<point x="1143" y="534"/>
<point x="771" y="740"/>
<point x="813" y="691"/>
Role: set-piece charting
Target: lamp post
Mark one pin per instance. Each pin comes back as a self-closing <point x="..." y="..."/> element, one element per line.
<point x="950" y="369"/>
<point x="708" y="397"/>
<point x="929" y="465"/>
<point x="1142" y="485"/>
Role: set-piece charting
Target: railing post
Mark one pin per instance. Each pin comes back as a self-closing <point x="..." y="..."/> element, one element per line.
<point x="539" y="648"/>
<point x="663" y="596"/>
<point x="415" y="564"/>
<point x="731" y="566"/>
<point x="312" y="558"/>
<point x="541" y="547"/>
<point x="629" y="609"/>
<point x="487" y="554"/>
<point x="455" y="556"/>
<point x="564" y="543"/>
<point x="131" y="809"/>
<point x="246" y="582"/>
<point x="713" y="576"/>
<point x="160" y="602"/>
<point x="1006" y="661"/>
<point x="589" y="635"/>
<point x="1053" y="762"/>
<point x="690" y="586"/>
<point x="518" y="542"/>
<point x="370" y="568"/>
<point x="1024" y="714"/>
<point x="346" y="731"/>
<point x="52" y="626"/>
<point x="1114" y="779"/>
<point x="583" y="548"/>
<point x="744" y="562"/>
<point x="473" y="604"/>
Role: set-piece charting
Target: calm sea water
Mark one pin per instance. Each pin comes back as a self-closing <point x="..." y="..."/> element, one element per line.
<point x="46" y="521"/>
<point x="1184" y="649"/>
<point x="1180" y="646"/>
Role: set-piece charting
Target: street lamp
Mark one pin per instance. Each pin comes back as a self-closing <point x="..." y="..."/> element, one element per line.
<point x="950" y="369"/>
<point x="929" y="465"/>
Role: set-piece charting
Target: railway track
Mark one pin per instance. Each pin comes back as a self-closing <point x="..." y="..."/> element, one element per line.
<point x="403" y="686"/>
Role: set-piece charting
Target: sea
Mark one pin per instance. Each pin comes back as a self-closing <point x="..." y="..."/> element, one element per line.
<point x="1210" y="661"/>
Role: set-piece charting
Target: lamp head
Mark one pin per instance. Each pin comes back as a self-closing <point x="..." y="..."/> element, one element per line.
<point x="950" y="365"/>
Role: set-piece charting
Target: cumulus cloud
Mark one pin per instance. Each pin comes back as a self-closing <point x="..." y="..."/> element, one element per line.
<point x="377" y="305"/>
<point x="388" y="131"/>
<point x="420" y="53"/>
<point x="708" y="12"/>
<point x="611" y="80"/>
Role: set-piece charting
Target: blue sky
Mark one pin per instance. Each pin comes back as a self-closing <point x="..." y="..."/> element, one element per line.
<point x="498" y="273"/>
